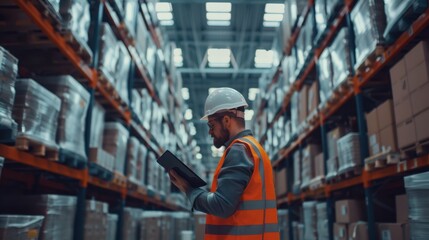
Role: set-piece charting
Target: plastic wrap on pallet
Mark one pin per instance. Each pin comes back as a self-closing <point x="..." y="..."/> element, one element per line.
<point x="151" y="225"/>
<point x="417" y="188"/>
<point x="321" y="16"/>
<point x="76" y="17"/>
<point x="325" y="68"/>
<point x="146" y="108"/>
<point x="294" y="10"/>
<point x="109" y="52"/>
<point x="283" y="219"/>
<point x="74" y="105"/>
<point x="151" y="170"/>
<point x="395" y="11"/>
<point x="296" y="172"/>
<point x="340" y="56"/>
<point x="150" y="57"/>
<point x="36" y="111"/>
<point x="122" y="70"/>
<point x="137" y="104"/>
<point x="294" y="112"/>
<point x="368" y="26"/>
<point x="96" y="220"/>
<point x="310" y="220"/>
<point x="97" y="126"/>
<point x="322" y="221"/>
<point x="131" y="217"/>
<point x="58" y="211"/>
<point x="348" y="152"/>
<point x="306" y="168"/>
<point x="142" y="34"/>
<point x="112" y="222"/>
<point x="304" y="43"/>
<point x="331" y="167"/>
<point x="132" y="158"/>
<point x="8" y="73"/>
<point x="20" y="227"/>
<point x="141" y="164"/>
<point x="131" y="8"/>
<point x="115" y="142"/>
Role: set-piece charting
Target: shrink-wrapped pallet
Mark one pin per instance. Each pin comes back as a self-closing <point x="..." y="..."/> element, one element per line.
<point x="297" y="172"/>
<point x="36" y="111"/>
<point x="112" y="222"/>
<point x="283" y="219"/>
<point x="76" y="17"/>
<point x="417" y="188"/>
<point x="96" y="220"/>
<point x="122" y="70"/>
<point x="97" y="126"/>
<point x="131" y="218"/>
<point x="141" y="164"/>
<point x="322" y="221"/>
<point x="74" y="105"/>
<point x="20" y="227"/>
<point x="8" y="73"/>
<point x="131" y="9"/>
<point x="132" y="158"/>
<point x="58" y="211"/>
<point x="348" y="152"/>
<point x="150" y="226"/>
<point x="340" y="56"/>
<point x="115" y="143"/>
<point x="109" y="53"/>
<point x="310" y="220"/>
<point x="325" y="75"/>
<point x="369" y="22"/>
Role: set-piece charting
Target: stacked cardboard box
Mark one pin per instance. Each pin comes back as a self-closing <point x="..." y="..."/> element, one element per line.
<point x="349" y="215"/>
<point x="313" y="97"/>
<point x="281" y="182"/>
<point x="131" y="218"/>
<point x="183" y="221"/>
<point x="150" y="226"/>
<point x="382" y="129"/>
<point x="303" y="104"/>
<point x="96" y="220"/>
<point x="112" y="222"/>
<point x="410" y="85"/>
<point x="296" y="172"/>
<point x="332" y="162"/>
<point x="308" y="155"/>
<point x="348" y="152"/>
<point x="20" y="227"/>
<point x="283" y="219"/>
<point x="322" y="221"/>
<point x="115" y="143"/>
<point x="310" y="220"/>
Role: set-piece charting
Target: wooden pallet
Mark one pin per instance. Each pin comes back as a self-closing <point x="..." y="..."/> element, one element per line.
<point x="100" y="172"/>
<point x="37" y="148"/>
<point x="348" y="173"/>
<point x="106" y="82"/>
<point x="72" y="159"/>
<point x="372" y="57"/>
<point x="132" y="184"/>
<point x="8" y="132"/>
<point x="381" y="160"/>
<point x="119" y="179"/>
<point x="415" y="150"/>
<point x="317" y="183"/>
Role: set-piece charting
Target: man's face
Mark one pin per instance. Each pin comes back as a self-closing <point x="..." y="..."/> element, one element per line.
<point x="218" y="132"/>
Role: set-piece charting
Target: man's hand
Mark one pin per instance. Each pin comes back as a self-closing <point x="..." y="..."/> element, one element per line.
<point x="180" y="182"/>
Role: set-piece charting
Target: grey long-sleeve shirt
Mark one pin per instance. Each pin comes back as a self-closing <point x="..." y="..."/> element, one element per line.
<point x="232" y="180"/>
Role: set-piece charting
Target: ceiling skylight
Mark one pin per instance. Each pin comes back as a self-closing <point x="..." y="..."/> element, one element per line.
<point x="178" y="58"/>
<point x="218" y="13"/>
<point x="273" y="14"/>
<point x="264" y="58"/>
<point x="164" y="12"/>
<point x="219" y="57"/>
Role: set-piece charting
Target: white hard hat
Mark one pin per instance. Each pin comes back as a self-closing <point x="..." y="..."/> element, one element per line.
<point x="223" y="99"/>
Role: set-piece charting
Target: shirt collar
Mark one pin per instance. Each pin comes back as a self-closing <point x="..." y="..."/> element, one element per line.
<point x="241" y="134"/>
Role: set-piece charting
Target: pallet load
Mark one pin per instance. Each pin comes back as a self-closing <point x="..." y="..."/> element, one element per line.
<point x="349" y="158"/>
<point x="95" y="220"/>
<point x="150" y="225"/>
<point x="322" y="221"/>
<point x="101" y="163"/>
<point x="58" y="212"/>
<point x="131" y="218"/>
<point x="71" y="120"/>
<point x="36" y="111"/>
<point x="20" y="227"/>
<point x="310" y="220"/>
<point x="115" y="143"/>
<point x="348" y="212"/>
<point x="112" y="223"/>
<point x="325" y="76"/>
<point x="417" y="188"/>
<point x="341" y="59"/>
<point x="369" y="22"/>
<point x="1" y="165"/>
<point x="332" y="163"/>
<point x="141" y="164"/>
<point x="8" y="73"/>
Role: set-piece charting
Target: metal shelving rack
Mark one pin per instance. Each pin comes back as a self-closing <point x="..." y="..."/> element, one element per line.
<point x="360" y="80"/>
<point x="83" y="184"/>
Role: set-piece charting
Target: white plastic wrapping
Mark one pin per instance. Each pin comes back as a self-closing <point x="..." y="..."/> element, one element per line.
<point x="325" y="75"/>
<point x="417" y="187"/>
<point x="8" y="73"/>
<point x="321" y="16"/>
<point x="131" y="219"/>
<point x="294" y="112"/>
<point x="115" y="142"/>
<point x="369" y="22"/>
<point x="296" y="172"/>
<point x="348" y="152"/>
<point x="76" y="17"/>
<point x="340" y="56"/>
<point x="131" y="9"/>
<point x="97" y="126"/>
<point x="141" y="164"/>
<point x="74" y="106"/>
<point x="121" y="71"/>
<point x="36" y="111"/>
<point x="310" y="220"/>
<point x="96" y="220"/>
<point x="142" y="34"/>
<point x="322" y="221"/>
<point x="20" y="227"/>
<point x="112" y="221"/>
<point x="58" y="211"/>
<point x="109" y="52"/>
<point x="305" y="39"/>
<point x="132" y="158"/>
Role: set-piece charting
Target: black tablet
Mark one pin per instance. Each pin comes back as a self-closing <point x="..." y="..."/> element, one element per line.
<point x="169" y="161"/>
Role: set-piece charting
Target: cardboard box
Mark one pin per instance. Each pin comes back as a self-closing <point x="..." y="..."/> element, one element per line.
<point x="358" y="231"/>
<point x="349" y="211"/>
<point x="420" y="99"/>
<point x="372" y="122"/>
<point x="398" y="71"/>
<point x="385" y="114"/>
<point x="422" y="129"/>
<point x="340" y="231"/>
<point x="406" y="133"/>
<point x="333" y="136"/>
<point x="391" y="231"/>
<point x="281" y="182"/>
<point x="303" y="103"/>
<point x="403" y="111"/>
<point x="418" y="77"/>
<point x="402" y="211"/>
<point x="417" y="55"/>
<point x="313" y="97"/>
<point x="400" y="90"/>
<point x="388" y="138"/>
<point x="319" y="165"/>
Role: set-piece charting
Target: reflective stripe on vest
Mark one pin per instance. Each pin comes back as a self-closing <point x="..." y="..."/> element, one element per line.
<point x="256" y="216"/>
<point x="241" y="230"/>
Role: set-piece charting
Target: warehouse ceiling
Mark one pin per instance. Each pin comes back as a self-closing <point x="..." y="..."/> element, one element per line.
<point x="242" y="31"/>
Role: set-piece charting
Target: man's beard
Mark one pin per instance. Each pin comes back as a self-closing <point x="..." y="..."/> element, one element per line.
<point x="219" y="142"/>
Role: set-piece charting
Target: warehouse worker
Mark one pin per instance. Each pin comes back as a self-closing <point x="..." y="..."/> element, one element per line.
<point x="241" y="203"/>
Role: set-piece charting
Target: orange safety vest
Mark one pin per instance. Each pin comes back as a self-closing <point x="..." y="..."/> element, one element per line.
<point x="256" y="215"/>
